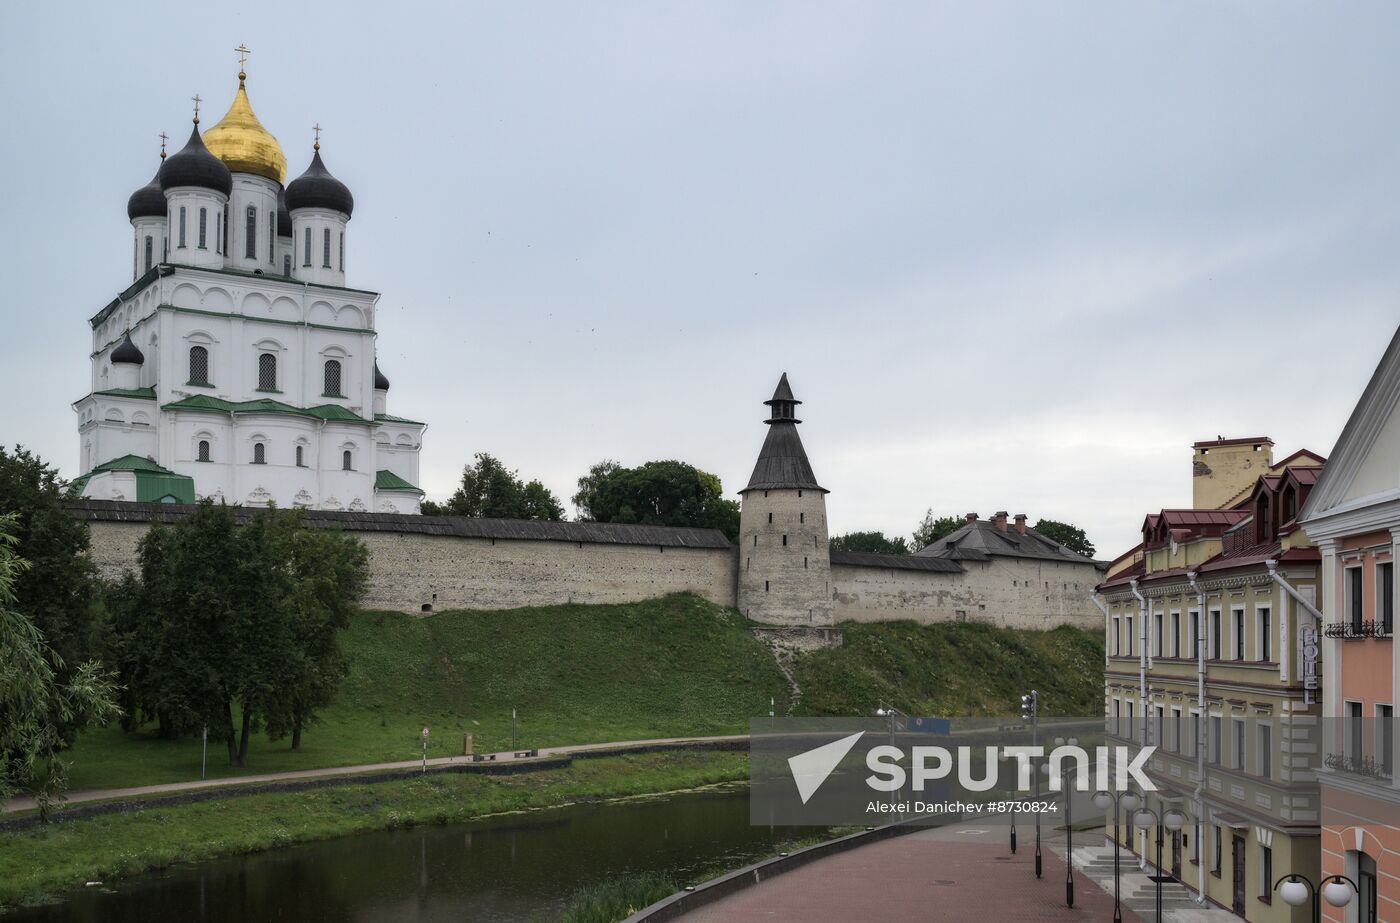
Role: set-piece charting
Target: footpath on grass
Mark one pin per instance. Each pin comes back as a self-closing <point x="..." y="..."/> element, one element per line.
<point x="521" y="759"/>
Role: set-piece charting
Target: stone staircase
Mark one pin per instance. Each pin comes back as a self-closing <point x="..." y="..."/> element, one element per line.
<point x="1138" y="890"/>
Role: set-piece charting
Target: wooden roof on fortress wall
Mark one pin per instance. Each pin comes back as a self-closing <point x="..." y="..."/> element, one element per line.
<point x="598" y="533"/>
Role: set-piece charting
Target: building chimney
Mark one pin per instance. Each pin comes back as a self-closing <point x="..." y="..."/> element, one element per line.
<point x="999" y="520"/>
<point x="971" y="517"/>
<point x="1021" y="523"/>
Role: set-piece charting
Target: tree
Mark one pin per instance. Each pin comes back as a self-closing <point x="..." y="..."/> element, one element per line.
<point x="870" y="541"/>
<point x="587" y="497"/>
<point x="58" y="591"/>
<point x="330" y="570"/>
<point x="662" y="493"/>
<point x="39" y="698"/>
<point x="489" y="490"/>
<point x="228" y="615"/>
<point x="931" y="529"/>
<point x="1071" y="536"/>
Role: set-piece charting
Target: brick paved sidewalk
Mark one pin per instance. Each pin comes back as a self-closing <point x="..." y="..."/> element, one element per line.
<point x="954" y="873"/>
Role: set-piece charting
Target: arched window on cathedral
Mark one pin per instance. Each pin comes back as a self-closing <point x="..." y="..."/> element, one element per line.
<point x="199" y="365"/>
<point x="182" y="227"/>
<point x="332" y="376"/>
<point x="267" y="372"/>
<point x="259" y="454"/>
<point x="250" y="248"/>
<point x="287" y="264"/>
<point x="203" y="450"/>
<point x="347" y="461"/>
<point x="218" y="238"/>
<point x="306" y="247"/>
<point x="272" y="238"/>
<point x="227" y="246"/>
<point x="342" y="251"/>
<point x="326" y="248"/>
<point x="203" y="228"/>
<point x="301" y="456"/>
<point x="150" y="247"/>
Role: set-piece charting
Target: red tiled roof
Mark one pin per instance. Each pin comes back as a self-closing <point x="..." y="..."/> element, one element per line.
<point x="1204" y="517"/>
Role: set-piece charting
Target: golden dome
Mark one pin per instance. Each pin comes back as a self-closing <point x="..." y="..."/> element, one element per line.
<point x="241" y="142"/>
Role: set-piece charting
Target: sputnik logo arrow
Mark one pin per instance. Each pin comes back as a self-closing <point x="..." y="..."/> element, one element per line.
<point x="810" y="769"/>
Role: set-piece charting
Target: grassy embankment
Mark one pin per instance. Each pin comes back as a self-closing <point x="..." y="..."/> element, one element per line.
<point x="585" y="674"/>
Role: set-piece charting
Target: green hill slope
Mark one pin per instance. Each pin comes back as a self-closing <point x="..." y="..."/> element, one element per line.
<point x="580" y="674"/>
<point x="953" y="670"/>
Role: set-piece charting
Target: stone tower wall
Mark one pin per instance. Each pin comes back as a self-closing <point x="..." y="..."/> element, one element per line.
<point x="784" y="558"/>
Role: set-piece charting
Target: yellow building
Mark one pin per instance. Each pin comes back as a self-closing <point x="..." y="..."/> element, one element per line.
<point x="1204" y="628"/>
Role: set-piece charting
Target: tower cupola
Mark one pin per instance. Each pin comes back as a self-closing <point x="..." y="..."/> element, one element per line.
<point x="197" y="187"/>
<point x="242" y="143"/>
<point x="147" y="211"/>
<point x="381" y="390"/>
<point x="193" y="166"/>
<point x="127" y="360"/>
<point x="320" y="206"/>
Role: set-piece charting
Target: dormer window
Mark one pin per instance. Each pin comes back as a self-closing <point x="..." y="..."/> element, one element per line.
<point x="1263" y="526"/>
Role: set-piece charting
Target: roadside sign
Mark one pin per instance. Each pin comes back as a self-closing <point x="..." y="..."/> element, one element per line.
<point x="425" y="732"/>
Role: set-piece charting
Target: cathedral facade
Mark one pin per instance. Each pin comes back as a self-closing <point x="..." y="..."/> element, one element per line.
<point x="238" y="365"/>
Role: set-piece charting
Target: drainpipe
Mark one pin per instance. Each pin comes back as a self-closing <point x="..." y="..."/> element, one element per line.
<point x="1272" y="565"/>
<point x="1142" y="683"/>
<point x="1200" y="732"/>
<point x="1142" y="657"/>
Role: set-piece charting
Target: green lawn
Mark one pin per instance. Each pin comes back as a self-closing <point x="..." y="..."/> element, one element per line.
<point x="575" y="674"/>
<point x="38" y="862"/>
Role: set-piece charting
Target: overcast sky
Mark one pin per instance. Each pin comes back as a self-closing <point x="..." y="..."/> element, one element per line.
<point x="1012" y="256"/>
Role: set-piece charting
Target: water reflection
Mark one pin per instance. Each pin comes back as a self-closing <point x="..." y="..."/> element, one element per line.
<point x="509" y="869"/>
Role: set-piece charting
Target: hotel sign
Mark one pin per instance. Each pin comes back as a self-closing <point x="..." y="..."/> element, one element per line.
<point x="1308" y="636"/>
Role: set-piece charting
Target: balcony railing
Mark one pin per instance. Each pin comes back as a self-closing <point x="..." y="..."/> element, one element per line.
<point x="1357" y="765"/>
<point x="1353" y="630"/>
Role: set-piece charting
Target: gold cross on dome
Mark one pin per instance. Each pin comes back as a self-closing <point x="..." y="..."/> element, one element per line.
<point x="317" y="128"/>
<point x="197" y="101"/>
<point x="243" y="53"/>
<point x="163" y="138"/>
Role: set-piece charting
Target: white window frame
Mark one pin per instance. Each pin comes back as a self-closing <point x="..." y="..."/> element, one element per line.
<point x="1348" y="615"/>
<point x="1264" y="640"/>
<point x="1264" y="759"/>
<point x="1193" y="619"/>
<point x="1239" y="648"/>
<point x="1175" y="622"/>
<point x="1215" y="640"/>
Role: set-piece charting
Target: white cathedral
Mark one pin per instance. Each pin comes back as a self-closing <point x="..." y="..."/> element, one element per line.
<point x="238" y="365"/>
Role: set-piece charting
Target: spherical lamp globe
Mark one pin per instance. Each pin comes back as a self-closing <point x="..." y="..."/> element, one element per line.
<point x="1294" y="892"/>
<point x="1130" y="801"/>
<point x="1144" y="819"/>
<point x="1103" y="800"/>
<point x="1174" y="820"/>
<point x="1337" y="893"/>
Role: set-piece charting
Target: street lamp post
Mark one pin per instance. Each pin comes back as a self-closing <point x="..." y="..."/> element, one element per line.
<point x="1336" y="890"/>
<point x="1015" y="793"/>
<point x="1128" y="801"/>
<point x="1069" y="829"/>
<point x="1030" y="711"/>
<point x="1171" y="820"/>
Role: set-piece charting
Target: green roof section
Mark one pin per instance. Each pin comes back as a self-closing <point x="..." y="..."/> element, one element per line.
<point x="154" y="484"/>
<point x="145" y="394"/>
<point x="331" y="412"/>
<point x="390" y="418"/>
<point x="388" y="480"/>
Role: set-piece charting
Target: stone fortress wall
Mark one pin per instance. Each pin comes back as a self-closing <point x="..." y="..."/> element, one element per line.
<point x="422" y="564"/>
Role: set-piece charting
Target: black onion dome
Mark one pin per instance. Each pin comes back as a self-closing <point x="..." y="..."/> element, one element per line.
<point x="127" y="352"/>
<point x="193" y="165"/>
<point x="284" y="217"/>
<point x="381" y="383"/>
<point x="316" y="188"/>
<point x="148" y="201"/>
